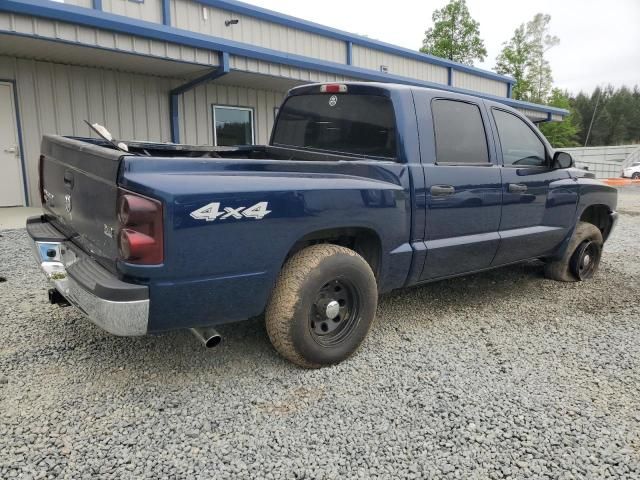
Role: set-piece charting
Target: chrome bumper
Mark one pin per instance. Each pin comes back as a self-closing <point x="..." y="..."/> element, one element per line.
<point x="123" y="318"/>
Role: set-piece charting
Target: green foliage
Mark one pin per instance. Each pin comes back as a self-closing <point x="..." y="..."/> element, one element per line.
<point x="617" y="117"/>
<point x="565" y="133"/>
<point x="522" y="57"/>
<point x="454" y="35"/>
<point x="514" y="60"/>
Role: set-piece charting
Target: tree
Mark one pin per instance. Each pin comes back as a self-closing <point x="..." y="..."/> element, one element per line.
<point x="514" y="60"/>
<point x="523" y="58"/>
<point x="539" y="72"/>
<point x="454" y="35"/>
<point x="565" y="133"/>
<point x="616" y="120"/>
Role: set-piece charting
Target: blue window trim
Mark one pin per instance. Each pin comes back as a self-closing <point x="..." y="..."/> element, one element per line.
<point x="25" y="186"/>
<point x="312" y="27"/>
<point x="117" y="23"/>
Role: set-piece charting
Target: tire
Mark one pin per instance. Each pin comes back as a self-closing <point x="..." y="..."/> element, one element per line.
<point x="636" y="176"/>
<point x="586" y="240"/>
<point x="313" y="285"/>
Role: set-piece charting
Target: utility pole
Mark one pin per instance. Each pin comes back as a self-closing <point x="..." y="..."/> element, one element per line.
<point x="593" y="116"/>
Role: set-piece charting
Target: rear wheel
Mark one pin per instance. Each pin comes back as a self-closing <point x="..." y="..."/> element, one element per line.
<point x="636" y="176"/>
<point x="582" y="257"/>
<point x="322" y="306"/>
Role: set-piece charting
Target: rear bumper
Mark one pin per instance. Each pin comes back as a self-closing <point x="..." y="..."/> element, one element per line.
<point x="118" y="307"/>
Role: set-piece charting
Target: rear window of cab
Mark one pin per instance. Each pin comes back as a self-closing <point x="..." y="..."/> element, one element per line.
<point x="352" y="124"/>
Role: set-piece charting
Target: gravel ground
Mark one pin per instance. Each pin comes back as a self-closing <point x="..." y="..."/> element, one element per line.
<point x="498" y="375"/>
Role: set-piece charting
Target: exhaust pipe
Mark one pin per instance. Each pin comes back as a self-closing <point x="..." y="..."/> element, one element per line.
<point x="208" y="336"/>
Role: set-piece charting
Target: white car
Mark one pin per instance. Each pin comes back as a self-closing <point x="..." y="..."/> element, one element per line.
<point x="632" y="171"/>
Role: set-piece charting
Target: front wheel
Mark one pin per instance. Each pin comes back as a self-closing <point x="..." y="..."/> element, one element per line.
<point x="636" y="176"/>
<point x="582" y="257"/>
<point x="322" y="306"/>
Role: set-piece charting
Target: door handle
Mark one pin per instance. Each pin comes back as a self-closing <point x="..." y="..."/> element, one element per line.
<point x="442" y="190"/>
<point x="517" y="188"/>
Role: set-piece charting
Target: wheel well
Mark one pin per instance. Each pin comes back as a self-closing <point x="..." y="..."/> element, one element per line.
<point x="364" y="241"/>
<point x="598" y="215"/>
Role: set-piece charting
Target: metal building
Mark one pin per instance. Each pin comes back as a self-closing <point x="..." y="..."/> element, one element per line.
<point x="182" y="71"/>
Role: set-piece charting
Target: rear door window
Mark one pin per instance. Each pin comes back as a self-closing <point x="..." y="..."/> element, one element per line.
<point x="362" y="125"/>
<point x="459" y="133"/>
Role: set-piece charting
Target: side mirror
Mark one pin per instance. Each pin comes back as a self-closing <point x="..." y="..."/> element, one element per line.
<point x="562" y="160"/>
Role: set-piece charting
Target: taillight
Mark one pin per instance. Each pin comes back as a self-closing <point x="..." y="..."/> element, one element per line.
<point x="333" y="88"/>
<point x="140" y="239"/>
<point x="41" y="179"/>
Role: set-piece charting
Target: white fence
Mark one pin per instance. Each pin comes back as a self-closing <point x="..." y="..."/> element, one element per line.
<point x="605" y="162"/>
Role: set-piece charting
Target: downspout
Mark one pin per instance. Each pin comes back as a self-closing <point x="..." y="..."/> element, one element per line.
<point x="222" y="69"/>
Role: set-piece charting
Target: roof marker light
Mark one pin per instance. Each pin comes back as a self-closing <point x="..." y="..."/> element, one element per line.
<point x="333" y="88"/>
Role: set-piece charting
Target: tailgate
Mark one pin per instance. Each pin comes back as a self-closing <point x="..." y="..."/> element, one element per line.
<point x="79" y="182"/>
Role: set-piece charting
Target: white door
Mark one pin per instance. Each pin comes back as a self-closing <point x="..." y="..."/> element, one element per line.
<point x="11" y="193"/>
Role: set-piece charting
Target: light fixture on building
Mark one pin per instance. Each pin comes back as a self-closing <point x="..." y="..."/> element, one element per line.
<point x="233" y="21"/>
<point x="384" y="69"/>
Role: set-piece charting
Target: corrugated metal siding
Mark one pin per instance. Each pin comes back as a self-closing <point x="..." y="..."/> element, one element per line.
<point x="372" y="59"/>
<point x="479" y="84"/>
<point x="189" y="15"/>
<point x="148" y="10"/>
<point x="48" y="29"/>
<point x="533" y="115"/>
<point x="274" y="69"/>
<point x="56" y="98"/>
<point x="196" y="122"/>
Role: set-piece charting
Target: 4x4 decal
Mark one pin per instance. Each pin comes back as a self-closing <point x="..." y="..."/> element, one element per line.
<point x="212" y="212"/>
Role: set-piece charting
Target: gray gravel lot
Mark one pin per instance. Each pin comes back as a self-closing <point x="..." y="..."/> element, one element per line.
<point x="498" y="375"/>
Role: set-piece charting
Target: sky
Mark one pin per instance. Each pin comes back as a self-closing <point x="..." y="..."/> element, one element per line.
<point x="599" y="39"/>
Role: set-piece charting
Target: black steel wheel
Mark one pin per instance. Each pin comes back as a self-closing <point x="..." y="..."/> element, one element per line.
<point x="581" y="258"/>
<point x="335" y="312"/>
<point x="322" y="306"/>
<point x="586" y="259"/>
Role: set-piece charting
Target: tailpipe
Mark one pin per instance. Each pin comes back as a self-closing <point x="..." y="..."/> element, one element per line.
<point x="208" y="336"/>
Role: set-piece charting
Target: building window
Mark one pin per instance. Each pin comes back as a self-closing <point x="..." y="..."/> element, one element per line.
<point x="232" y="126"/>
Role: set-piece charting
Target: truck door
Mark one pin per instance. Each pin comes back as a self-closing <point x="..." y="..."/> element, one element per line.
<point x="538" y="201"/>
<point x="463" y="186"/>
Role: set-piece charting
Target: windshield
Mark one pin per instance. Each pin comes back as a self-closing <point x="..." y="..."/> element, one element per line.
<point x="353" y="124"/>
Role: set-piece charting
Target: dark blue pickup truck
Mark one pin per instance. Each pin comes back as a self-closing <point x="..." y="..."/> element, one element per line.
<point x="363" y="188"/>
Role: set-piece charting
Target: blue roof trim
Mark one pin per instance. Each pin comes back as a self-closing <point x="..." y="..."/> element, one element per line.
<point x="117" y="23"/>
<point x="312" y="27"/>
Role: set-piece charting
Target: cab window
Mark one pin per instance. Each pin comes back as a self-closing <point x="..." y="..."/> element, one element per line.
<point x="459" y="133"/>
<point x="521" y="147"/>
